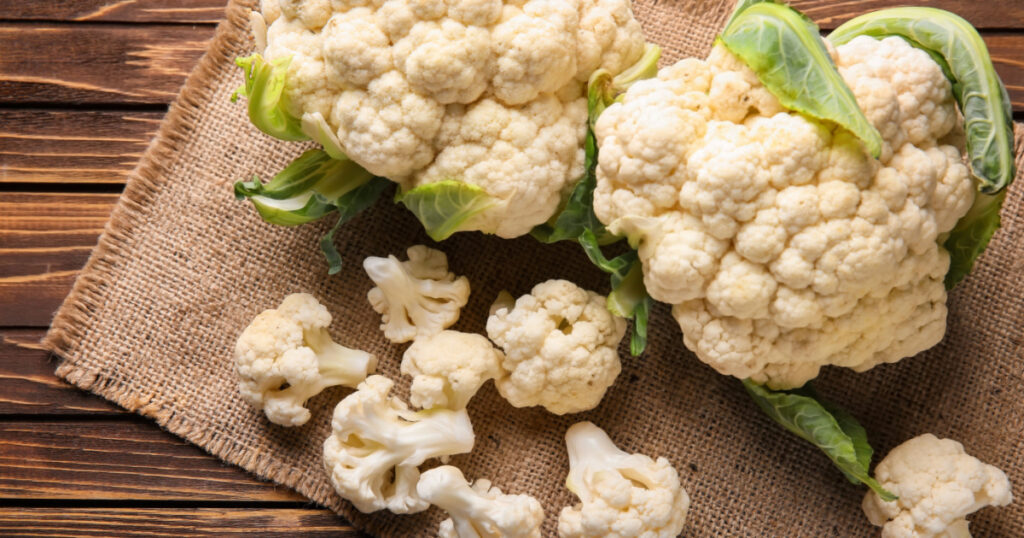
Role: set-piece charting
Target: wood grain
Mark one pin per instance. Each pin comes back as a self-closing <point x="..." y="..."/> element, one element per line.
<point x="828" y="13"/>
<point x="181" y="11"/>
<point x="97" y="63"/>
<point x="45" y="240"/>
<point x="29" y="387"/>
<point x="79" y="146"/>
<point x="126" y="459"/>
<point x="296" y="522"/>
<point x="982" y="14"/>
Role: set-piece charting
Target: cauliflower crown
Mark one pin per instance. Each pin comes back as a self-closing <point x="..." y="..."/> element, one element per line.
<point x="479" y="511"/>
<point x="418" y="297"/>
<point x="449" y="367"/>
<point x="561" y="347"/>
<point x="377" y="444"/>
<point x="286" y="356"/>
<point x="486" y="92"/>
<point x="938" y="484"/>
<point x="781" y="243"/>
<point x="622" y="495"/>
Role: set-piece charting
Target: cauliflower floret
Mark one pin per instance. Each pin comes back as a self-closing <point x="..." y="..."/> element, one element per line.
<point x="621" y="495"/>
<point x="938" y="485"/>
<point x="286" y="356"/>
<point x="449" y="367"/>
<point x="480" y="511"/>
<point x="561" y="347"/>
<point x="484" y="92"/>
<point x="524" y="157"/>
<point x="781" y="243"/>
<point x="418" y="297"/>
<point x="377" y="444"/>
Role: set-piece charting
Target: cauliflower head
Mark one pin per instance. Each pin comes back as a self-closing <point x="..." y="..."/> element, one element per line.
<point x="377" y="444"/>
<point x="938" y="484"/>
<point x="486" y="92"/>
<point x="418" y="297"/>
<point x="621" y="495"/>
<point x="449" y="367"/>
<point x="781" y="243"/>
<point x="286" y="356"/>
<point x="479" y="511"/>
<point x="561" y="347"/>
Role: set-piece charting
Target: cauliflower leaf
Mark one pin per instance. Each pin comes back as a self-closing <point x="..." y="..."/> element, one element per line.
<point x="268" y="102"/>
<point x="310" y="187"/>
<point x="445" y="207"/>
<point x="806" y="79"/>
<point x="828" y="427"/>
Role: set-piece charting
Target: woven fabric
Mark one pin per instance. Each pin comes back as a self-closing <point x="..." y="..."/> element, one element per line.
<point x="182" y="267"/>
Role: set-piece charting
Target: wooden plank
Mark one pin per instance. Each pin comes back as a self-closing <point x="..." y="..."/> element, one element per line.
<point x="86" y="63"/>
<point x="181" y="11"/>
<point x="118" y="459"/>
<point x="28" y="385"/>
<point x="80" y="146"/>
<point x="175" y="522"/>
<point x="829" y="13"/>
<point x="45" y="240"/>
<point x="984" y="14"/>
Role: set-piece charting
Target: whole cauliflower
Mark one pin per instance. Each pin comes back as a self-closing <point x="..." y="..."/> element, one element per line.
<point x="561" y="347"/>
<point x="479" y="511"/>
<point x="418" y="297"/>
<point x="485" y="92"/>
<point x="781" y="243"/>
<point x="621" y="495"/>
<point x="449" y="367"/>
<point x="377" y="443"/>
<point x="938" y="484"/>
<point x="286" y="356"/>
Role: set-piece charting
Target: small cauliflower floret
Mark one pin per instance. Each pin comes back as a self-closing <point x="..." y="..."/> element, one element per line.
<point x="561" y="347"/>
<point x="782" y="244"/>
<point x="938" y="485"/>
<point x="479" y="511"/>
<point x="449" y="367"/>
<point x="286" y="356"/>
<point x="377" y="444"/>
<point x="418" y="297"/>
<point x="483" y="92"/>
<point x="621" y="495"/>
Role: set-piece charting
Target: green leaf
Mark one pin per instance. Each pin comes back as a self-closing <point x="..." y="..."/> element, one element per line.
<point x="968" y="239"/>
<point x="445" y="207"/>
<point x="834" y="431"/>
<point x="305" y="190"/>
<point x="628" y="298"/>
<point x="268" y="102"/>
<point x="348" y="206"/>
<point x="785" y="51"/>
<point x="960" y="51"/>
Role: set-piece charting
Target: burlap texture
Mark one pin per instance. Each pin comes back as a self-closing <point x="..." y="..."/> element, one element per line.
<point x="182" y="267"/>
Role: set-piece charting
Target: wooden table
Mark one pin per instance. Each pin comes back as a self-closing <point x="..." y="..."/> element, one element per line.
<point x="83" y="86"/>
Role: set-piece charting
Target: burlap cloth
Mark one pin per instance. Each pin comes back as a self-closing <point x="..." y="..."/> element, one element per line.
<point x="182" y="267"/>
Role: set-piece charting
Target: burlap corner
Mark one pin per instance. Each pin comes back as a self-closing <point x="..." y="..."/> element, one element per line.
<point x="182" y="267"/>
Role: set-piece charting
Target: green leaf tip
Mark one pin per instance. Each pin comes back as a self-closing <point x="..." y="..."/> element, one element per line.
<point x="971" y="235"/>
<point x="828" y="427"/>
<point x="958" y="48"/>
<point x="785" y="50"/>
<point x="628" y="298"/>
<point x="348" y="206"/>
<point x="446" y="207"/>
<point x="264" y="88"/>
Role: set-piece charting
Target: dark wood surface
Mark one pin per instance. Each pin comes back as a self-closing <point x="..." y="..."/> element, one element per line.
<point x="83" y="85"/>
